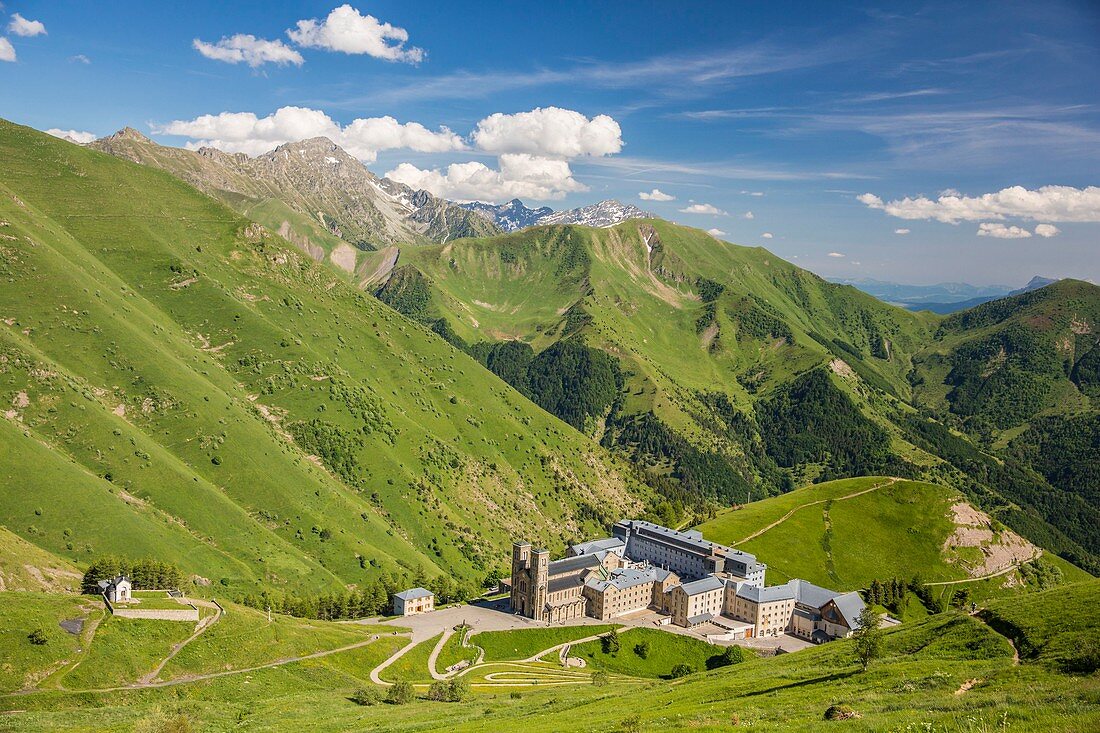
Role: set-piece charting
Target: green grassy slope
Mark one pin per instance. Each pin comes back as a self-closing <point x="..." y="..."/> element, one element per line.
<point x="24" y="566"/>
<point x="502" y="646"/>
<point x="665" y="651"/>
<point x="240" y="411"/>
<point x="844" y="534"/>
<point x="950" y="672"/>
<point x="701" y="330"/>
<point x="743" y="375"/>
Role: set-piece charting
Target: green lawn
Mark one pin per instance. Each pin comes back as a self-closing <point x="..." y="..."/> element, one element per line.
<point x="243" y="637"/>
<point x="412" y="666"/>
<point x="23" y="663"/>
<point x="453" y="652"/>
<point x="666" y="650"/>
<point x="502" y="646"/>
<point x="123" y="650"/>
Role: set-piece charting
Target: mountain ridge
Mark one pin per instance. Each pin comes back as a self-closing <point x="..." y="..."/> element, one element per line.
<point x="515" y="215"/>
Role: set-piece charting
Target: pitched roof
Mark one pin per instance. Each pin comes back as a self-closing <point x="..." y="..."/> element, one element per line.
<point x="768" y="594"/>
<point x="592" y="546"/>
<point x="411" y="593"/>
<point x="571" y="564"/>
<point x="623" y="578"/>
<point x="850" y="605"/>
<point x="703" y="585"/>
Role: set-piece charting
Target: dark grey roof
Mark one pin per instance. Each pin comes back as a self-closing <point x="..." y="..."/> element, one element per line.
<point x="105" y="584"/>
<point x="592" y="546"/>
<point x="623" y="578"/>
<point x="850" y="606"/>
<point x="411" y="593"/>
<point x="769" y="594"/>
<point x="701" y="618"/>
<point x="806" y="614"/>
<point x="563" y="582"/>
<point x="571" y="564"/>
<point x="703" y="585"/>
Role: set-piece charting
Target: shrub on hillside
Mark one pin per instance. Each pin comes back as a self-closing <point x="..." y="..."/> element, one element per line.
<point x="730" y="655"/>
<point x="400" y="693"/>
<point x="840" y="712"/>
<point x="681" y="670"/>
<point x="367" y="696"/>
<point x="610" y="643"/>
<point x="38" y="637"/>
<point x="642" y="649"/>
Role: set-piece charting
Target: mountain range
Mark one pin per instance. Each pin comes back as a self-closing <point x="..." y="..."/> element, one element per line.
<point x="267" y="415"/>
<point x="514" y="215"/>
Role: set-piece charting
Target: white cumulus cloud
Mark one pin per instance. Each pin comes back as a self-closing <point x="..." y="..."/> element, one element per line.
<point x="749" y="215"/>
<point x="80" y="59"/>
<point x="549" y="131"/>
<point x="245" y="48"/>
<point x="79" y="136"/>
<point x="1047" y="203"/>
<point x="902" y="232"/>
<point x="7" y="51"/>
<point x="245" y="132"/>
<point x="836" y="254"/>
<point x="20" y="26"/>
<point x="767" y="235"/>
<point x="716" y="232"/>
<point x="347" y="31"/>
<point x="752" y="193"/>
<point x="656" y="195"/>
<point x="703" y="209"/>
<point x="520" y="175"/>
<point x="1047" y="230"/>
<point x="1000" y="231"/>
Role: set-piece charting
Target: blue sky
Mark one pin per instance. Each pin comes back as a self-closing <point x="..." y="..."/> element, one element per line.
<point x="918" y="143"/>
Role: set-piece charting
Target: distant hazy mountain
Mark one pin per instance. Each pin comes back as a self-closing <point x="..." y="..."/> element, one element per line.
<point x="1034" y="284"/>
<point x="516" y="215"/>
<point x="940" y="298"/>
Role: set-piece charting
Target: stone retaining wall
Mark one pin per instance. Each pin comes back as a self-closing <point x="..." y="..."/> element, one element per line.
<point x="161" y="614"/>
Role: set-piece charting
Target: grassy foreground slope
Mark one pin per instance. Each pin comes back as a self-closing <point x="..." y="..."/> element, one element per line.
<point x="951" y="672"/>
<point x="184" y="385"/>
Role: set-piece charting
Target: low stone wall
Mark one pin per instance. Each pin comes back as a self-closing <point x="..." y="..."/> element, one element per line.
<point x="160" y="614"/>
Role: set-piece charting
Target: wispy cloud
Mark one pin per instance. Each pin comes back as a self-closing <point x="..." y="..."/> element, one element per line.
<point x="669" y="75"/>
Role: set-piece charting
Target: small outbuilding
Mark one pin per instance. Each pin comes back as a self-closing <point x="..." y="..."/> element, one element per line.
<point x="116" y="589"/>
<point x="413" y="601"/>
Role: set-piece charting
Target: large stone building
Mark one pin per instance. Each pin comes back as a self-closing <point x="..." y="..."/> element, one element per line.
<point x="679" y="574"/>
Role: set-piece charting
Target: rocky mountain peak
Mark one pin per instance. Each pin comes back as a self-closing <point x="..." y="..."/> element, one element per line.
<point x="129" y="133"/>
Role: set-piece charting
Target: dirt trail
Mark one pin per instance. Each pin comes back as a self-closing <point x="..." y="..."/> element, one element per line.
<point x="788" y="515"/>
<point x="203" y="625"/>
<point x="214" y="675"/>
<point x="1002" y="571"/>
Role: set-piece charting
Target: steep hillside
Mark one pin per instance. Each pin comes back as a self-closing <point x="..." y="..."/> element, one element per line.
<point x="182" y="384"/>
<point x="700" y="331"/>
<point x="730" y="374"/>
<point x="313" y="193"/>
<point x="846" y="534"/>
<point x="1002" y="363"/>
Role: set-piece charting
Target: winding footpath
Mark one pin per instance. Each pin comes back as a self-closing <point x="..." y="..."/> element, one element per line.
<point x="890" y="482"/>
<point x="203" y="625"/>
